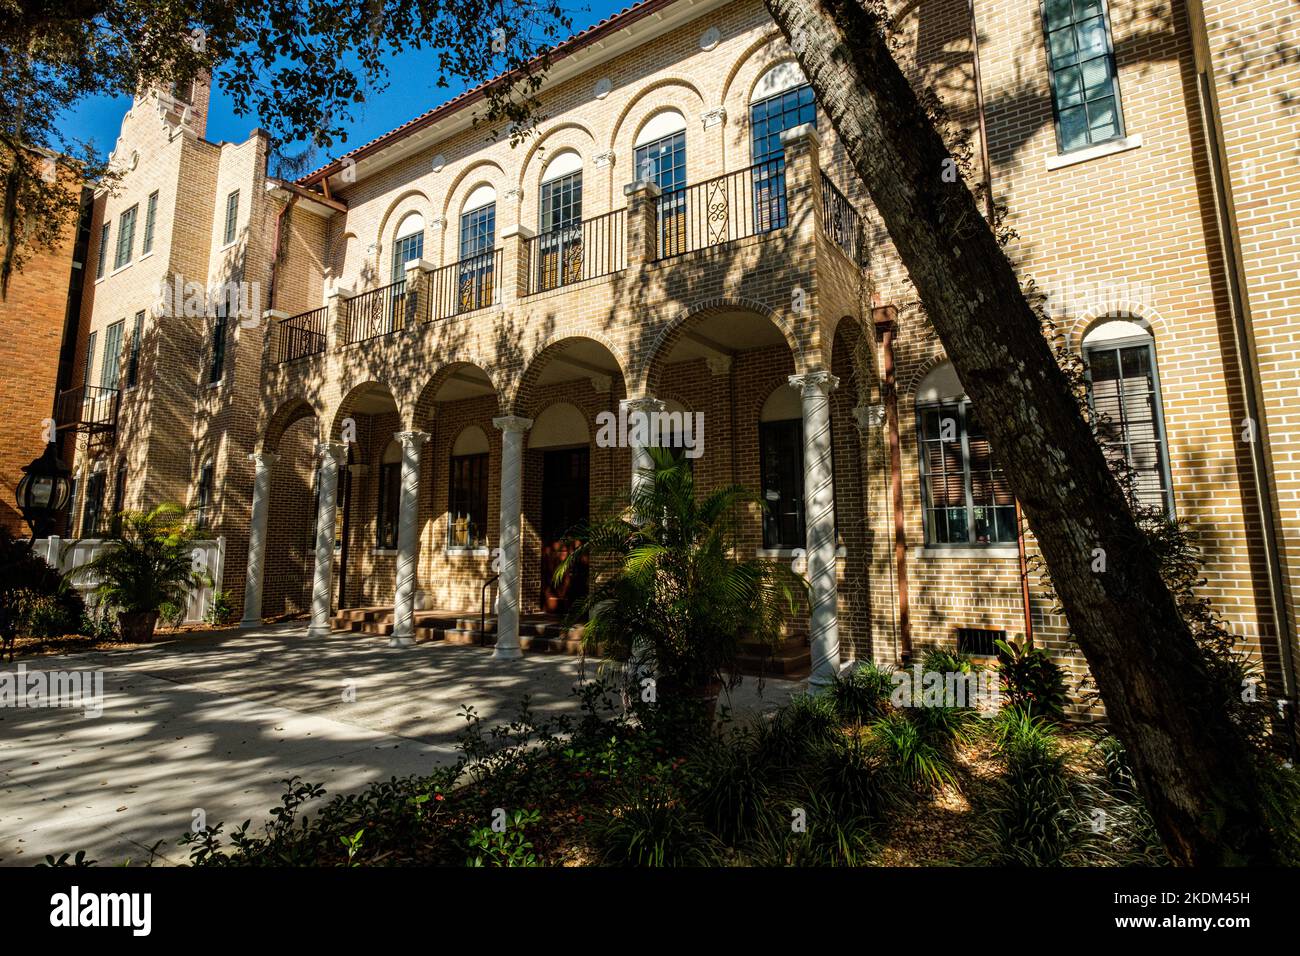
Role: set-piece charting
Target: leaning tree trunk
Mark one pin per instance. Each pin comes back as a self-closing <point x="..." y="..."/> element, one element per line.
<point x="1193" y="767"/>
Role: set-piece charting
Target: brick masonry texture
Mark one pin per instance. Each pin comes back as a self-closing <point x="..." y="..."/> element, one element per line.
<point x="1131" y="234"/>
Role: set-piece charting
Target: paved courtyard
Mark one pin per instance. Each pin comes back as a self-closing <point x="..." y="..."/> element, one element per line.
<point x="216" y="722"/>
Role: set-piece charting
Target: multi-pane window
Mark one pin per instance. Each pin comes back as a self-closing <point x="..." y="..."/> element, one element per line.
<point x="663" y="162"/>
<point x="478" y="236"/>
<point x="133" y="356"/>
<point x="1081" y="61"/>
<point x="1125" y="394"/>
<point x="405" y="248"/>
<point x="109" y="371"/>
<point x="89" y="370"/>
<point x="232" y="217"/>
<point x="561" y="231"/>
<point x="967" y="498"/>
<point x="150" y="222"/>
<point x="217" y="366"/>
<point x="780" y="446"/>
<point x="203" y="498"/>
<point x="119" y="496"/>
<point x="769" y="118"/>
<point x="467" y="504"/>
<point x="125" y="237"/>
<point x="390" y="497"/>
<point x="103" y="251"/>
<point x="93" y="510"/>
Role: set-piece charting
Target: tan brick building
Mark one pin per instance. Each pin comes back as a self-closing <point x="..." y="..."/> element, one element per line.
<point x="451" y="321"/>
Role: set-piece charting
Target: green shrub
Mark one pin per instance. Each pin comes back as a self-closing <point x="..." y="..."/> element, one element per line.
<point x="728" y="783"/>
<point x="53" y="615"/>
<point x="855" y="779"/>
<point x="1031" y="817"/>
<point x="507" y="846"/>
<point x="650" y="826"/>
<point x="1031" y="680"/>
<point x="915" y="761"/>
<point x="810" y="830"/>
<point x="862" y="694"/>
<point x="220" y="612"/>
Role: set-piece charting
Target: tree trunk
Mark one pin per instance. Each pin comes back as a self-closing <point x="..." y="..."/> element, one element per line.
<point x="1194" y="768"/>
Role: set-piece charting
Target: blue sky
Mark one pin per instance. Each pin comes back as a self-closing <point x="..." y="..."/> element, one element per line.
<point x="412" y="90"/>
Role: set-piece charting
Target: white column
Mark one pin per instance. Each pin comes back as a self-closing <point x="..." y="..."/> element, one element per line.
<point x="331" y="455"/>
<point x="407" y="538"/>
<point x="512" y="465"/>
<point x="638" y="440"/>
<point x="263" y="462"/>
<point x="819" y="523"/>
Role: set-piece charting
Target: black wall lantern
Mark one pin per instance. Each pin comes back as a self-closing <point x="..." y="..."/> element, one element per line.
<point x="43" y="492"/>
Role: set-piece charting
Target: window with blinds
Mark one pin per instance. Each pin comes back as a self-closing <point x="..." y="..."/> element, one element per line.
<point x="1081" y="62"/>
<point x="467" y="505"/>
<point x="1125" y="395"/>
<point x="663" y="162"/>
<point x="967" y="498"/>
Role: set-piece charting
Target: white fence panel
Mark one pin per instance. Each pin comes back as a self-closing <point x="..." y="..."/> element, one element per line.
<point x="69" y="554"/>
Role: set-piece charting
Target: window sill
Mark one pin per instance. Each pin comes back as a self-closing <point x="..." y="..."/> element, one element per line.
<point x="145" y="255"/>
<point x="121" y="268"/>
<point x="456" y="552"/>
<point x="1094" y="152"/>
<point x="981" y="552"/>
<point x="780" y="553"/>
<point x="392" y="552"/>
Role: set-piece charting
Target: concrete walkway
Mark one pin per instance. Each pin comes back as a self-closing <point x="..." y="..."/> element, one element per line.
<point x="214" y="723"/>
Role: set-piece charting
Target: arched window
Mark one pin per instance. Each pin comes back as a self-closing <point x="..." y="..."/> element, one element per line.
<point x="390" y="497"/>
<point x="659" y="156"/>
<point x="560" y="228"/>
<point x="780" y="454"/>
<point x="966" y="497"/>
<point x="1124" y="389"/>
<point x="782" y="99"/>
<point x="467" y="505"/>
<point x="478" y="237"/>
<point x="408" y="244"/>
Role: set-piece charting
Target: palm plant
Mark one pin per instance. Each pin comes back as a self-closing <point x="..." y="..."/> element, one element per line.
<point x="675" y="599"/>
<point x="148" y="563"/>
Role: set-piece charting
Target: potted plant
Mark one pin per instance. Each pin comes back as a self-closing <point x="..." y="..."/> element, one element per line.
<point x="146" y="564"/>
<point x="669" y="593"/>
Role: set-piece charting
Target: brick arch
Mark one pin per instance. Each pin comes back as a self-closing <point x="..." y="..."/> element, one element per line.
<point x="667" y="93"/>
<point x="644" y="378"/>
<point x="1086" y="321"/>
<point x="562" y="136"/>
<point x="412" y="200"/>
<point x="832" y="329"/>
<point x="424" y="406"/>
<point x="907" y="395"/>
<point x="343" y="407"/>
<point x="284" y="418"/>
<point x="482" y="172"/>
<point x="522" y="395"/>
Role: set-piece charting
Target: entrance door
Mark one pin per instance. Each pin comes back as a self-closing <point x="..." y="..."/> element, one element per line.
<point x="564" y="507"/>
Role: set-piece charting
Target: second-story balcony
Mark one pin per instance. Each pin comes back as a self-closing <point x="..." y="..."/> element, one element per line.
<point x="89" y="409"/>
<point x="654" y="227"/>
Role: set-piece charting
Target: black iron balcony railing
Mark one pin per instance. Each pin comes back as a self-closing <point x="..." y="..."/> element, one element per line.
<point x="734" y="206"/>
<point x="377" y="312"/>
<point x="840" y="220"/>
<point x="464" y="286"/>
<point x="586" y="250"/>
<point x="91" y="409"/>
<point x="300" y="335"/>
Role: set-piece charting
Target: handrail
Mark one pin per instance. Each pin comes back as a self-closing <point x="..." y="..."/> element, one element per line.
<point x="378" y="312"/>
<point x="840" y="221"/>
<point x="584" y="250"/>
<point x="732" y="206"/>
<point x="465" y="286"/>
<point x="300" y="335"/>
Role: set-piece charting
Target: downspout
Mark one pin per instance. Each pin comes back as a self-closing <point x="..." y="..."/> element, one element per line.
<point x="1244" y="342"/>
<point x="886" y="322"/>
<point x="990" y="208"/>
